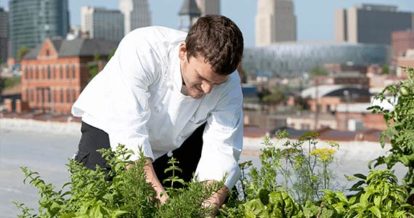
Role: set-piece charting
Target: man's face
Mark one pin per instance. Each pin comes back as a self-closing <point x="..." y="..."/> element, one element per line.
<point x="198" y="77"/>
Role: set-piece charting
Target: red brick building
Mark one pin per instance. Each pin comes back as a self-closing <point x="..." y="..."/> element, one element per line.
<point x="406" y="61"/>
<point x="56" y="71"/>
<point x="356" y="116"/>
<point x="401" y="41"/>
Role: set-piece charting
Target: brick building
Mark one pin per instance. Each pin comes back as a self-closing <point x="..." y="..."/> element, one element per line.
<point x="401" y="41"/>
<point x="406" y="61"/>
<point x="338" y="68"/>
<point x="356" y="116"/>
<point x="56" y="71"/>
<point x="353" y="78"/>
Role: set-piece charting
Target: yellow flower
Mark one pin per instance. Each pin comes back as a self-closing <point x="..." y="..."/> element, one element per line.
<point x="324" y="154"/>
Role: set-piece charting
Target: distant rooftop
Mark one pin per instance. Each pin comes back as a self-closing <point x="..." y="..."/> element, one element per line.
<point x="334" y="90"/>
<point x="378" y="7"/>
<point x="354" y="107"/>
<point x="100" y="9"/>
<point x="77" y="47"/>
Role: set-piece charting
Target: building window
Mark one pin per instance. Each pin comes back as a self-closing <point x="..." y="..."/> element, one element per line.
<point x="57" y="72"/>
<point x="73" y="94"/>
<point x="31" y="95"/>
<point x="55" y="96"/>
<point x="73" y="71"/>
<point x="67" y="71"/>
<point x="48" y="72"/>
<point x="37" y="72"/>
<point x="47" y="52"/>
<point x="54" y="70"/>
<point x="67" y="96"/>
<point x="26" y="73"/>
<point x="30" y="75"/>
<point x="42" y="73"/>
<point x="49" y="95"/>
<point x="61" y="72"/>
<point x="61" y="96"/>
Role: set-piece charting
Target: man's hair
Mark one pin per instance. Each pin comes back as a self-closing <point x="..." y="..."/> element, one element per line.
<point x="217" y="39"/>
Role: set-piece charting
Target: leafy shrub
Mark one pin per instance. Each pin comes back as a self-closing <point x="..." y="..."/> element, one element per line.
<point x="400" y="131"/>
<point x="115" y="193"/>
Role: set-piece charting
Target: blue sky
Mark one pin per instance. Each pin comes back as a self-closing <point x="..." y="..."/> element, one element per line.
<point x="315" y="18"/>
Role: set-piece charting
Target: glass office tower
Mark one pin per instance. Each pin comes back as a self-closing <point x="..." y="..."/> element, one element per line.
<point x="31" y="21"/>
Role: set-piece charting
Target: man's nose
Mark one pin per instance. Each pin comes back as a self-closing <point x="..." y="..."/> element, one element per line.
<point x="206" y="87"/>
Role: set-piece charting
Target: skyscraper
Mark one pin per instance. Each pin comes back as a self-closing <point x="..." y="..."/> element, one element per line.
<point x="4" y="34"/>
<point x="101" y="23"/>
<point x="208" y="6"/>
<point x="275" y="22"/>
<point x="136" y="14"/>
<point x="369" y="23"/>
<point x="189" y="13"/>
<point x="31" y="21"/>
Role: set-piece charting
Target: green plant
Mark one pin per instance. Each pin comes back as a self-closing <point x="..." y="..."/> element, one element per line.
<point x="97" y="193"/>
<point x="173" y="168"/>
<point x="379" y="195"/>
<point x="308" y="164"/>
<point x="400" y="122"/>
<point x="116" y="192"/>
<point x="297" y="168"/>
<point x="11" y="81"/>
<point x="93" y="66"/>
<point x="21" y="53"/>
<point x="275" y="96"/>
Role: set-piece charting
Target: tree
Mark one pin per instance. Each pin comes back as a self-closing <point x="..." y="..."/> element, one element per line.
<point x="275" y="97"/>
<point x="22" y="52"/>
<point x="93" y="67"/>
<point x="2" y="84"/>
<point x="111" y="54"/>
<point x="385" y="69"/>
<point x="318" y="71"/>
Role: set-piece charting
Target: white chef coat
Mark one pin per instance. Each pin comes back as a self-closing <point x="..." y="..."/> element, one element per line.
<point x="137" y="100"/>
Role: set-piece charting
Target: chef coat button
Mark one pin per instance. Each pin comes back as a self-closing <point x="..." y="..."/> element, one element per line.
<point x="157" y="109"/>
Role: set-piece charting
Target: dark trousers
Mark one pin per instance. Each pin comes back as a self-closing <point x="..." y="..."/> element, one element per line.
<point x="188" y="154"/>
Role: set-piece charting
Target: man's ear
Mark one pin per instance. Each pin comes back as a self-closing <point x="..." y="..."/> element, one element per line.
<point x="182" y="52"/>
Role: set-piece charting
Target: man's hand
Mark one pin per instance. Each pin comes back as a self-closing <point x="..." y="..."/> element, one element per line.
<point x="216" y="199"/>
<point x="152" y="179"/>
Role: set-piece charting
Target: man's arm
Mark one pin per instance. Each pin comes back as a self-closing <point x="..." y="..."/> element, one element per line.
<point x="217" y="198"/>
<point x="222" y="143"/>
<point x="151" y="178"/>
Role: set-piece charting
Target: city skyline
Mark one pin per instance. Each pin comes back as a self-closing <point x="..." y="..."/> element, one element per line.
<point x="309" y="14"/>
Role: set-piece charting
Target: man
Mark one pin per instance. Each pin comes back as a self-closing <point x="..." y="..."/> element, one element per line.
<point x="166" y="91"/>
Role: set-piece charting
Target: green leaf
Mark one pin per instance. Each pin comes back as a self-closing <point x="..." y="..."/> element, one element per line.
<point x="360" y="176"/>
<point x="375" y="211"/>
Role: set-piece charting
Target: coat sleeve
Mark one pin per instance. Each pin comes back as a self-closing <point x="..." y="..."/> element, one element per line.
<point x="223" y="139"/>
